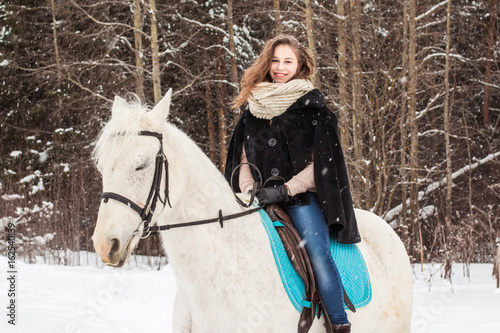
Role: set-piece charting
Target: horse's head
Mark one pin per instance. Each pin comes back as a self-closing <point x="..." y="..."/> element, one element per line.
<point x="126" y="160"/>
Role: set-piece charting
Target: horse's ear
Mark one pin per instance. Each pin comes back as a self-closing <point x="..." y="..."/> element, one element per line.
<point x="163" y="107"/>
<point x="119" y="105"/>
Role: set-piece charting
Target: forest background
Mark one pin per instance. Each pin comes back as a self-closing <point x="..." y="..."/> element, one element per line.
<point x="415" y="84"/>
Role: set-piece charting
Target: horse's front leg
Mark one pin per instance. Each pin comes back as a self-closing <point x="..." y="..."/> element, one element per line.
<point x="181" y="320"/>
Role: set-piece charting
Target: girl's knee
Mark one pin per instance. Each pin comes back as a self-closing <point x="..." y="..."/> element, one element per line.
<point x="321" y="259"/>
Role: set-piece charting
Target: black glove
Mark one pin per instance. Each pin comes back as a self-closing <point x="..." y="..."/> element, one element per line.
<point x="271" y="195"/>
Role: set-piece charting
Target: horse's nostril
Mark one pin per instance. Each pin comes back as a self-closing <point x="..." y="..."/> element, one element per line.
<point x="115" y="247"/>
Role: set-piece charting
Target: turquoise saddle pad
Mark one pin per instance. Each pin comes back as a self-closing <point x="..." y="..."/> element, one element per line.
<point x="347" y="257"/>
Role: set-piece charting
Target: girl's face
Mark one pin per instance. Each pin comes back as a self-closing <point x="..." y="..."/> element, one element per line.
<point x="284" y="64"/>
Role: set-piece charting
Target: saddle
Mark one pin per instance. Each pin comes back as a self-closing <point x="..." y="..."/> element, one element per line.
<point x="300" y="260"/>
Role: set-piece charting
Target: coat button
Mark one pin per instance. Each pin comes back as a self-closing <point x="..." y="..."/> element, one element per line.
<point x="272" y="142"/>
<point x="275" y="172"/>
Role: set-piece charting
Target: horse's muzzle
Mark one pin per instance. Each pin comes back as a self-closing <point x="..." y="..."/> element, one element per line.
<point x="111" y="250"/>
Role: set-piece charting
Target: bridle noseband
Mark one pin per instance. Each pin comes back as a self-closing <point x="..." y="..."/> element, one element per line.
<point x="146" y="213"/>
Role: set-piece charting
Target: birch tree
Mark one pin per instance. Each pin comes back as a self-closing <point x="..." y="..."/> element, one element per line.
<point x="449" y="181"/>
<point x="446" y="117"/>
<point x="222" y="109"/>
<point x="139" y="55"/>
<point x="493" y="9"/>
<point x="212" y="136"/>
<point x="412" y="119"/>
<point x="155" y="52"/>
<point x="310" y="38"/>
<point x="342" y="74"/>
<point x="232" y="49"/>
<point x="403" y="170"/>
<point x="277" y="16"/>
<point x="56" y="46"/>
<point x="356" y="104"/>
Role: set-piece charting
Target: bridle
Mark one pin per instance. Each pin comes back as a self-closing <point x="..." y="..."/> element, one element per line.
<point x="146" y="213"/>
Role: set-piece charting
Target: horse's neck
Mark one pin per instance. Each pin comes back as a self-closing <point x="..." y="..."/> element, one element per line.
<point x="204" y="193"/>
<point x="204" y="189"/>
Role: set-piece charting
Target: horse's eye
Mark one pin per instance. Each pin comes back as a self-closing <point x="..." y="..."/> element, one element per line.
<point x="142" y="166"/>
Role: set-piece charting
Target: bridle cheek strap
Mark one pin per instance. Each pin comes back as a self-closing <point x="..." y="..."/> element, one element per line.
<point x="146" y="213"/>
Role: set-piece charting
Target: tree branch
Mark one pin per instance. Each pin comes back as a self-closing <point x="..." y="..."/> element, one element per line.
<point x="88" y="90"/>
<point x="109" y="23"/>
<point x="392" y="214"/>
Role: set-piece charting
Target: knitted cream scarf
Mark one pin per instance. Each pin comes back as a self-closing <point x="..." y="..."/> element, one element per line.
<point x="269" y="100"/>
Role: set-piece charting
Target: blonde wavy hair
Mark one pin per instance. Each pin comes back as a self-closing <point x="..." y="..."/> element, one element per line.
<point x="259" y="71"/>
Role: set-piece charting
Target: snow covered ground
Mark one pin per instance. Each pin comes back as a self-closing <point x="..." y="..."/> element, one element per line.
<point x="459" y="307"/>
<point x="64" y="299"/>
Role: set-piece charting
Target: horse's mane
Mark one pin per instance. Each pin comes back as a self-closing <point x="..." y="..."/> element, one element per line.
<point x="128" y="120"/>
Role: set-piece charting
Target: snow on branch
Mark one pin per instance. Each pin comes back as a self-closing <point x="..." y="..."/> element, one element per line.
<point x="430" y="24"/>
<point x="442" y="54"/>
<point x="486" y="84"/>
<point x="391" y="215"/>
<point x="203" y="25"/>
<point x="420" y="114"/>
<point x="430" y="11"/>
<point x="222" y="47"/>
<point x="436" y="131"/>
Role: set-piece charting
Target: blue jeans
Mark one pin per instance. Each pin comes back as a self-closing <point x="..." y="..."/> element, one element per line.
<point x="312" y="228"/>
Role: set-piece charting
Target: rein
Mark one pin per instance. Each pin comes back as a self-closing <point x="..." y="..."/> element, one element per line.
<point x="146" y="213"/>
<point x="221" y="218"/>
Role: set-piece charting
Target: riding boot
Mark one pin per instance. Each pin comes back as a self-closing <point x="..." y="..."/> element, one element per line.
<point x="341" y="328"/>
<point x="329" y="326"/>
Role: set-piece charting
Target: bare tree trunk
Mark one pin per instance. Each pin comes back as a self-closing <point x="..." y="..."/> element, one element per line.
<point x="382" y="180"/>
<point x="232" y="49"/>
<point x="489" y="65"/>
<point x="56" y="47"/>
<point x="139" y="71"/>
<point x="412" y="106"/>
<point x="212" y="135"/>
<point x="469" y="159"/>
<point x="221" y="118"/>
<point x="403" y="170"/>
<point x="310" y="40"/>
<point x="277" y="17"/>
<point x="221" y="113"/>
<point x="155" y="53"/>
<point x="498" y="265"/>
<point x="342" y="74"/>
<point x="449" y="180"/>
<point x="357" y="128"/>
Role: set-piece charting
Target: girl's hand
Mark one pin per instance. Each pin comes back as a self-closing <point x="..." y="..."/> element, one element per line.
<point x="272" y="195"/>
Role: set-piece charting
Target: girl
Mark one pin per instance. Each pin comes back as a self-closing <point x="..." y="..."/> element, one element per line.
<point x="289" y="133"/>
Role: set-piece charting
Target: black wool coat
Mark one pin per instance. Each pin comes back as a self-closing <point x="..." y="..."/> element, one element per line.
<point x="284" y="145"/>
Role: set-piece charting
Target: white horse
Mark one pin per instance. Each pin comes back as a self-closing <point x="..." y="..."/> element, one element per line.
<point x="226" y="277"/>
